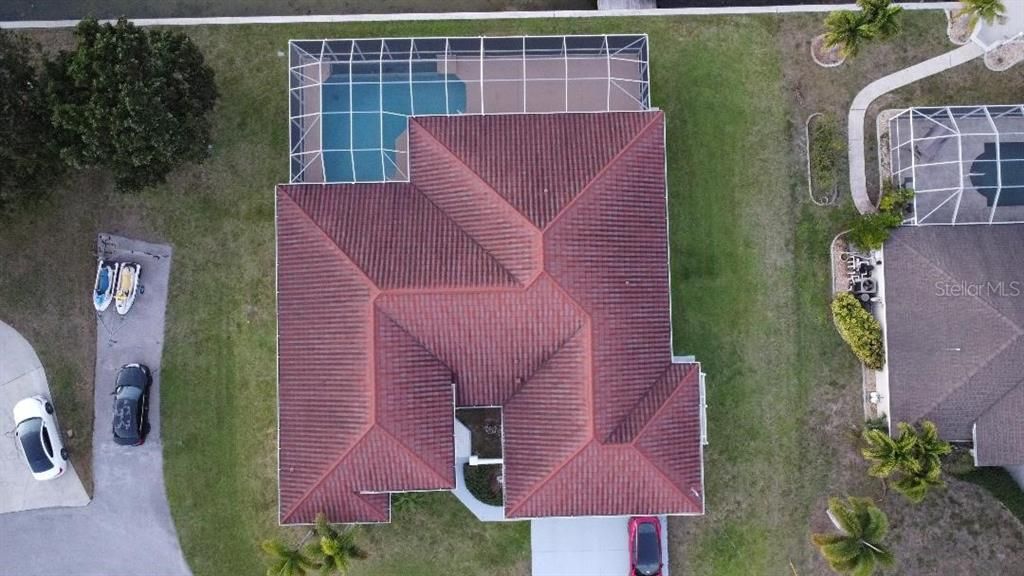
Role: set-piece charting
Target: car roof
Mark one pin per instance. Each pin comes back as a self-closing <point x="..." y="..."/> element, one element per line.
<point x="30" y="433"/>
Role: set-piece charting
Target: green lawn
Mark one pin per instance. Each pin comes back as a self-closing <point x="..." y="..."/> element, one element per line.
<point x="999" y="482"/>
<point x="750" y="292"/>
<point x="734" y="228"/>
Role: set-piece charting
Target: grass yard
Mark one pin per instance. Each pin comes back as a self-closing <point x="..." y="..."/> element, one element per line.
<point x="750" y="292"/>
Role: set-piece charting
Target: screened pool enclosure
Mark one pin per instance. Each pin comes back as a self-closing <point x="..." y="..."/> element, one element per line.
<point x="350" y="99"/>
<point x="965" y="163"/>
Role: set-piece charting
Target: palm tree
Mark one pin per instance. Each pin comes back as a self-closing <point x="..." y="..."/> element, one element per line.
<point x="986" y="10"/>
<point x="335" y="549"/>
<point x="858" y="548"/>
<point x="283" y="560"/>
<point x="890" y="454"/>
<point x="848" y="30"/>
<point x="915" y="457"/>
<point x="930" y="447"/>
<point x="916" y="486"/>
<point x="883" y="16"/>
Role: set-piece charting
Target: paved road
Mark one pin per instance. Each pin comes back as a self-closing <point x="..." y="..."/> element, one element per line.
<point x="127" y="529"/>
<point x="75" y="9"/>
<point x="21" y="376"/>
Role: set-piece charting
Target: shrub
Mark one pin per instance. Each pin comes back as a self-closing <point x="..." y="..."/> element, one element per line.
<point x="480" y="481"/>
<point x="827" y="148"/>
<point x="859" y="329"/>
<point x="959" y="462"/>
<point x="870" y="231"/>
<point x="28" y="156"/>
<point x="880" y="423"/>
<point x="132" y="100"/>
<point x="895" y="199"/>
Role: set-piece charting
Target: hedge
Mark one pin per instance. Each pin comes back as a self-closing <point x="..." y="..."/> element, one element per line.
<point x="859" y="329"/>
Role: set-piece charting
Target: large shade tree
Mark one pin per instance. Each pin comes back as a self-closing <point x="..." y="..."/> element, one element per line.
<point x="857" y="549"/>
<point x="132" y="100"/>
<point x="28" y="157"/>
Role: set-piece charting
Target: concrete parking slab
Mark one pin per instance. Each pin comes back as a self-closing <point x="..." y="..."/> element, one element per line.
<point x="594" y="546"/>
<point x="127" y="529"/>
<point x="21" y="376"/>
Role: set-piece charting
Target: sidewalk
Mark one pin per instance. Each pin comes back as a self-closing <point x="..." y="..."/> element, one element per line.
<point x="859" y="108"/>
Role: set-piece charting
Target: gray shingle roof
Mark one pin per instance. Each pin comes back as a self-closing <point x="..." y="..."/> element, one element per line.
<point x="955" y="327"/>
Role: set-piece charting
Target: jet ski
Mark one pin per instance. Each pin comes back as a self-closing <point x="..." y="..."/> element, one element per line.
<point x="106" y="281"/>
<point x="127" y="286"/>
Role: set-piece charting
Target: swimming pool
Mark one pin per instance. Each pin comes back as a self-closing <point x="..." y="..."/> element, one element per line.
<point x="365" y="111"/>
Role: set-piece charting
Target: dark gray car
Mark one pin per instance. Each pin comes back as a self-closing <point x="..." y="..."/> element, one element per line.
<point x="131" y="404"/>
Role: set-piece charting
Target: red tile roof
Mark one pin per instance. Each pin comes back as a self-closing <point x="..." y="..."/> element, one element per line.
<point x="525" y="265"/>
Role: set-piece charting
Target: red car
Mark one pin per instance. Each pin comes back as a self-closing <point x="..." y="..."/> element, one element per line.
<point x="644" y="546"/>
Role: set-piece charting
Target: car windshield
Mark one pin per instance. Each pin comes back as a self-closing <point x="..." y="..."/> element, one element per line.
<point x="648" y="549"/>
<point x="30" y="433"/>
<point x="130" y="376"/>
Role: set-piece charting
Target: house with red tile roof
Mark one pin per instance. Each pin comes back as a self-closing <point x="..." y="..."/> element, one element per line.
<point x="523" y="265"/>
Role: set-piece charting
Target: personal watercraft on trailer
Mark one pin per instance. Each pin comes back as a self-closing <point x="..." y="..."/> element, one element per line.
<point x="127" y="286"/>
<point x="106" y="281"/>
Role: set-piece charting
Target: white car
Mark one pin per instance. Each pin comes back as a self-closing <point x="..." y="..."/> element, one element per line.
<point x="39" y="438"/>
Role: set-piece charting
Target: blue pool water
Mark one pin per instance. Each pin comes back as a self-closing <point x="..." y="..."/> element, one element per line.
<point x="357" y="136"/>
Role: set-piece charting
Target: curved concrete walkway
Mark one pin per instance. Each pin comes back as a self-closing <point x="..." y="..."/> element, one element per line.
<point x="21" y="376"/>
<point x="859" y="108"/>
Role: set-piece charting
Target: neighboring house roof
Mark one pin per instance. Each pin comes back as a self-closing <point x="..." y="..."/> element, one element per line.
<point x="525" y="265"/>
<point x="955" y="324"/>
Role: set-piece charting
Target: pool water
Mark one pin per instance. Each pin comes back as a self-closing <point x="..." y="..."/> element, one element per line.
<point x="363" y="114"/>
<point x="985" y="178"/>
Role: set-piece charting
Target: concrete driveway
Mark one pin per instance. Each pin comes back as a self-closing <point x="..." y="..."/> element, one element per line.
<point x="127" y="529"/>
<point x="21" y="376"/>
<point x="595" y="546"/>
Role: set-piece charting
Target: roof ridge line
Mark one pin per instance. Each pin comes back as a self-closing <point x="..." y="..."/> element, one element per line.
<point x="1004" y="317"/>
<point x="337" y="462"/>
<point x="550" y="476"/>
<point x="643" y="454"/>
<point x="481" y="289"/>
<point x="587" y="322"/>
<point x="1019" y="384"/>
<point x="417" y="339"/>
<point x="656" y="115"/>
<point x="661" y="406"/>
<point x="983" y="364"/>
<point x="474" y="174"/>
<point x="415" y="454"/>
<point x="331" y="243"/>
<point x="463" y="231"/>
<point x="590" y="408"/>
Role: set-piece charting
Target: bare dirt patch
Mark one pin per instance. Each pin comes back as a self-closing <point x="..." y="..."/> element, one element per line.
<point x="828" y="57"/>
<point x="1006" y="56"/>
<point x="958" y="27"/>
